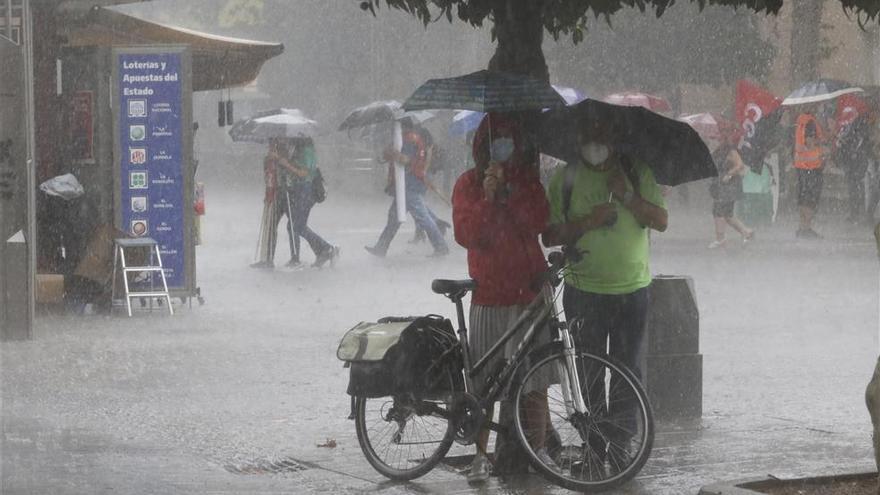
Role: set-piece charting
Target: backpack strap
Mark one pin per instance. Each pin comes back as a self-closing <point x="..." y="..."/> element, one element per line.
<point x="630" y="171"/>
<point x="570" y="172"/>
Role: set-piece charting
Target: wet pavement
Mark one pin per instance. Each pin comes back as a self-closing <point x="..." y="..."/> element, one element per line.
<point x="242" y="394"/>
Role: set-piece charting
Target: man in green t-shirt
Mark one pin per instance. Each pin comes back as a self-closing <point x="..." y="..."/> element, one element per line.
<point x="613" y="201"/>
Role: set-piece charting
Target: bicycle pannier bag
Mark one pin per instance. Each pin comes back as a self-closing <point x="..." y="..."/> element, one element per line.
<point x="401" y="355"/>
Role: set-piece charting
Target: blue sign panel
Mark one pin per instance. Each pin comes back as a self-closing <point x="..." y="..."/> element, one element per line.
<point x="151" y="144"/>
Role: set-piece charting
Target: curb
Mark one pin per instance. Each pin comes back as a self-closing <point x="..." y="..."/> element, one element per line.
<point x="742" y="487"/>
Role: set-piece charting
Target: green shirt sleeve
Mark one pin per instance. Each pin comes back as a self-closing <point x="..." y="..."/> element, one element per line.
<point x="554" y="196"/>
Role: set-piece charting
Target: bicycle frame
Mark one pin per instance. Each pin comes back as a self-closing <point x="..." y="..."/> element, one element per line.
<point x="540" y="312"/>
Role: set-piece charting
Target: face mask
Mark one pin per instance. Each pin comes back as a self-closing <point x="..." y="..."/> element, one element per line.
<point x="501" y="149"/>
<point x="595" y="153"/>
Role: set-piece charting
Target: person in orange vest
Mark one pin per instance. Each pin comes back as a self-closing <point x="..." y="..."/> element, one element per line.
<point x="808" y="154"/>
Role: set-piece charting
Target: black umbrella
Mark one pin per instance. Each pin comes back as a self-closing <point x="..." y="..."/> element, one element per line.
<point x="672" y="149"/>
<point x="818" y="91"/>
<point x="485" y="91"/>
<point x="381" y="112"/>
<point x="374" y="113"/>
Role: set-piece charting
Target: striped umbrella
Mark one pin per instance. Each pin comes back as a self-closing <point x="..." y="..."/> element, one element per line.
<point x="485" y="91"/>
<point x="818" y="91"/>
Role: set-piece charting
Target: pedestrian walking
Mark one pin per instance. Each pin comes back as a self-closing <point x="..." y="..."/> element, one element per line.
<point x="853" y="154"/>
<point x="435" y="163"/>
<point x="725" y="190"/>
<point x="603" y="207"/>
<point x="808" y="153"/>
<point x="498" y="211"/>
<point x="275" y="205"/>
<point x="303" y="181"/>
<point x="413" y="156"/>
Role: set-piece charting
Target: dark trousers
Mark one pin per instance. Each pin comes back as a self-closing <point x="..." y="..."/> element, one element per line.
<point x="609" y="325"/>
<point x="301" y="202"/>
<point x="855" y="184"/>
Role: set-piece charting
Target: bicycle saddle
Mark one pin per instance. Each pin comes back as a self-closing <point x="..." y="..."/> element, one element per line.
<point x="448" y="287"/>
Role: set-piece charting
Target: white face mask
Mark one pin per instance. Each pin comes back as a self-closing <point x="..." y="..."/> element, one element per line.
<point x="501" y="149"/>
<point x="595" y="153"/>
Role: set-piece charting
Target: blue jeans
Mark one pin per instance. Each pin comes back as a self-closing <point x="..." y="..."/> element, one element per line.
<point x="415" y="205"/>
<point x="301" y="205"/>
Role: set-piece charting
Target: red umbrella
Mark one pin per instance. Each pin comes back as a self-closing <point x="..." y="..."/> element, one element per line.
<point x="632" y="99"/>
<point x="711" y="127"/>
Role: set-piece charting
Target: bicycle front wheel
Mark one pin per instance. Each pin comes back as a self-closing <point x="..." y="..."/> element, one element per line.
<point x="598" y="449"/>
<point x="403" y="437"/>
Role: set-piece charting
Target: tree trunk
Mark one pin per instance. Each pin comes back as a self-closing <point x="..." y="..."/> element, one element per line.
<point x="519" y="30"/>
<point x="806" y="38"/>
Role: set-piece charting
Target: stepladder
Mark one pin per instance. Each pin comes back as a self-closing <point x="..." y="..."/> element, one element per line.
<point x="145" y="279"/>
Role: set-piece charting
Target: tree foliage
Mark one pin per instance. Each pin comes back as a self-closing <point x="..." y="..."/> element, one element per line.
<point x="688" y="45"/>
<point x="570" y="17"/>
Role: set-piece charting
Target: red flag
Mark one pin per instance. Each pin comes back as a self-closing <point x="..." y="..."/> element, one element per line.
<point x="849" y="108"/>
<point x="752" y="103"/>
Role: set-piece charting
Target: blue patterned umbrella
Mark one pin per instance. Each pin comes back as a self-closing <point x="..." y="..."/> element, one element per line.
<point x="485" y="91"/>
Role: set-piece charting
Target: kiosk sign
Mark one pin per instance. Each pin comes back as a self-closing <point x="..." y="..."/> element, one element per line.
<point x="151" y="158"/>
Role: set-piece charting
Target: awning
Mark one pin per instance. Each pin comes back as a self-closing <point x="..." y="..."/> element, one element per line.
<point x="218" y="61"/>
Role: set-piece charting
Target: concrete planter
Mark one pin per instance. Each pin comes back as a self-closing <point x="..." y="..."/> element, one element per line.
<point x="756" y="486"/>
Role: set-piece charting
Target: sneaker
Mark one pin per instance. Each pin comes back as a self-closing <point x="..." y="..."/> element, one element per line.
<point x="293" y="263"/>
<point x="334" y="256"/>
<point x="443" y="226"/>
<point x="749" y="237"/>
<point x="717" y="244"/>
<point x="479" y="470"/>
<point x="328" y="254"/>
<point x="547" y="461"/>
<point x="375" y="251"/>
<point x="263" y="264"/>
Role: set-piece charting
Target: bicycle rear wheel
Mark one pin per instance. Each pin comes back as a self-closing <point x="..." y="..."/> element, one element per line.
<point x="403" y="437"/>
<point x="592" y="451"/>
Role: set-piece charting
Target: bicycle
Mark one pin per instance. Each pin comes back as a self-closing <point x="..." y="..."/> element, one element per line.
<point x="600" y="430"/>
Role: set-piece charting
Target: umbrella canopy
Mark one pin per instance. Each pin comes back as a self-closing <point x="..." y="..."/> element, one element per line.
<point x="380" y="112"/>
<point x="818" y="91"/>
<point x="673" y="149"/>
<point x="644" y="100"/>
<point x="570" y="95"/>
<point x="464" y="122"/>
<point x="705" y="124"/>
<point x="712" y="127"/>
<point x="374" y="113"/>
<point x="485" y="91"/>
<point x="280" y="122"/>
<point x="468" y="120"/>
